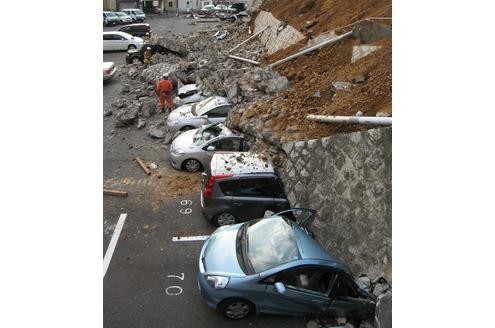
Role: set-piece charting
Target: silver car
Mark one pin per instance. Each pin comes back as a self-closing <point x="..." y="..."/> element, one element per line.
<point x="193" y="150"/>
<point x="188" y="94"/>
<point x="210" y="110"/>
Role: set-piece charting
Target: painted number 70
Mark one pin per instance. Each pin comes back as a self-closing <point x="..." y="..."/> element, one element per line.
<point x="174" y="290"/>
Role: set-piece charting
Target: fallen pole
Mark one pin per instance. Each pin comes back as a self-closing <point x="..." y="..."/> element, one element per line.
<point x="313" y="48"/>
<point x="250" y="38"/>
<point x="113" y="192"/>
<point x="245" y="59"/>
<point x="369" y="120"/>
<point x="144" y="167"/>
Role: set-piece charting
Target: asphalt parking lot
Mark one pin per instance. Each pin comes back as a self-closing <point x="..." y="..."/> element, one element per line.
<point x="150" y="280"/>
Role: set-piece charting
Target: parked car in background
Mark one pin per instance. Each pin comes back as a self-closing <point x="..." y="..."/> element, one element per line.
<point x="208" y="8"/>
<point x="221" y="8"/>
<point x="238" y="6"/>
<point x="210" y="110"/>
<point x="273" y="265"/>
<point x="240" y="186"/>
<point x="137" y="15"/>
<point x="188" y="94"/>
<point x="123" y="17"/>
<point x="110" y="18"/>
<point x="141" y="30"/>
<point x="193" y="150"/>
<point x="108" y="70"/>
<point x="116" y="40"/>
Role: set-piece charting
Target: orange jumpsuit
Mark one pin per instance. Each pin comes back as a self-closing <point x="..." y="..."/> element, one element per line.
<point x="163" y="88"/>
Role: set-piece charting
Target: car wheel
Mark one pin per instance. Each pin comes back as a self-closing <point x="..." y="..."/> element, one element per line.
<point x="236" y="308"/>
<point x="131" y="46"/>
<point x="191" y="165"/>
<point x="224" y="219"/>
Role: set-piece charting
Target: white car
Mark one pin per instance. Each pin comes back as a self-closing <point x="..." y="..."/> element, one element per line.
<point x="108" y="70"/>
<point x="221" y="8"/>
<point x="116" y="40"/>
<point x="188" y="94"/>
<point x="208" y="8"/>
<point x="124" y="18"/>
<point x="210" y="110"/>
<point x="136" y="14"/>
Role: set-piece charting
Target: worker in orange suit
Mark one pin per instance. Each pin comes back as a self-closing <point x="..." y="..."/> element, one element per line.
<point x="164" y="87"/>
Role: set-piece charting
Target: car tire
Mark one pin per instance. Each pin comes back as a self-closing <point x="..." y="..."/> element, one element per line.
<point x="191" y="165"/>
<point x="224" y="219"/>
<point x="236" y="308"/>
<point x="131" y="46"/>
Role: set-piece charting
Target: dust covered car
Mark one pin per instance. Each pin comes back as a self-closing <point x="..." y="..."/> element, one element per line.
<point x="193" y="150"/>
<point x="210" y="110"/>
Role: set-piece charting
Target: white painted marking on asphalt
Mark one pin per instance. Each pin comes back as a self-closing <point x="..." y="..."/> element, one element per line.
<point x="113" y="242"/>
<point x="190" y="238"/>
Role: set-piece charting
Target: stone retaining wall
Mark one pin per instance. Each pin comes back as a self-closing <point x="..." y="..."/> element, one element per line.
<point x="348" y="179"/>
<point x="278" y="36"/>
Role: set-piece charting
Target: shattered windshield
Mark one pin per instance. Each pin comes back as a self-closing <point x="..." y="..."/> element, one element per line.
<point x="269" y="243"/>
<point x="208" y="132"/>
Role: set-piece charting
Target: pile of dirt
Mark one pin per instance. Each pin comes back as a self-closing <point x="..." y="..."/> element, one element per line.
<point x="316" y="16"/>
<point x="177" y="184"/>
<point x="325" y="81"/>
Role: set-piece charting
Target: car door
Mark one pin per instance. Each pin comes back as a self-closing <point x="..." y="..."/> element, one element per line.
<point x="306" y="291"/>
<point x="253" y="197"/>
<point x="346" y="302"/>
<point x="225" y="144"/>
<point x="218" y="114"/>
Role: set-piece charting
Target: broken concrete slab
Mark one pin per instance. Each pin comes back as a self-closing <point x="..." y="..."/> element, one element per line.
<point x="126" y="116"/>
<point x="361" y="51"/>
<point x="141" y="123"/>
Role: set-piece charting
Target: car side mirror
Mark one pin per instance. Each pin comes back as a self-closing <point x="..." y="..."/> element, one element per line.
<point x="210" y="148"/>
<point x="280" y="287"/>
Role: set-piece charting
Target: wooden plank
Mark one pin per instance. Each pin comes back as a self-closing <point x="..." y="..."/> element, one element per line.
<point x="144" y="167"/>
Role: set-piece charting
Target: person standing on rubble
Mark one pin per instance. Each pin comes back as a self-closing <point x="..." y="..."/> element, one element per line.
<point x="147" y="57"/>
<point x="164" y="87"/>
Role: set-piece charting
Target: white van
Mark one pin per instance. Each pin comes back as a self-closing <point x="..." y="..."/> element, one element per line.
<point x="136" y="14"/>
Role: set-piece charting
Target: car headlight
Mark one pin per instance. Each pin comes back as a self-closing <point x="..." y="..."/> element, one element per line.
<point x="173" y="122"/>
<point x="217" y="282"/>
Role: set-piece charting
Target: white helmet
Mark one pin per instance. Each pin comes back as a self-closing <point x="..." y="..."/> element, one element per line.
<point x="165" y="75"/>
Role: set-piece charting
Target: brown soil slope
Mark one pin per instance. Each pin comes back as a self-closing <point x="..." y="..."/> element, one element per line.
<point x="314" y="73"/>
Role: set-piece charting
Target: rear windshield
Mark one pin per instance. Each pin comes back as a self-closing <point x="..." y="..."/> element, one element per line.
<point x="111" y="14"/>
<point x="208" y="132"/>
<point x="138" y="11"/>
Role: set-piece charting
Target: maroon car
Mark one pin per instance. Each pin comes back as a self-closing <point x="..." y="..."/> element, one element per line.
<point x="141" y="30"/>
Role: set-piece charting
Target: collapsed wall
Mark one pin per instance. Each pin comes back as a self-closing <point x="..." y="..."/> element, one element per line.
<point x="278" y="36"/>
<point x="347" y="178"/>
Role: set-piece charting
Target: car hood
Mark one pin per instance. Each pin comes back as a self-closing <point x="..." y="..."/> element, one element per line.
<point x="185" y="140"/>
<point x="220" y="252"/>
<point x="181" y="112"/>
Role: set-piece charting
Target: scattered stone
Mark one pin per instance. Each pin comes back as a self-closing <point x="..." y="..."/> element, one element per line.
<point x="310" y="24"/>
<point x="133" y="73"/>
<point x="156" y="133"/>
<point x="358" y="78"/>
<point x="153" y="166"/>
<point x="317" y="94"/>
<point x="130" y="146"/>
<point x="341" y="320"/>
<point x="141" y="123"/>
<point x="125" y="89"/>
<point x="364" y="282"/>
<point x="359" y="113"/>
<point x="107" y="112"/>
<point x="292" y="129"/>
<point x="380" y="288"/>
<point x="341" y="85"/>
<point x="383" y="114"/>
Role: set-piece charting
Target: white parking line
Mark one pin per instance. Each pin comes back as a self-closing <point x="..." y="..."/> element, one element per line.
<point x="190" y="238"/>
<point x="113" y="242"/>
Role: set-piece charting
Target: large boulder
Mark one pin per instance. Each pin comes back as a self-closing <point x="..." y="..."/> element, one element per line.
<point x="126" y="116"/>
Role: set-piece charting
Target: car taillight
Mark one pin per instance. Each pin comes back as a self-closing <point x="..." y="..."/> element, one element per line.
<point x="211" y="183"/>
<point x="109" y="70"/>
